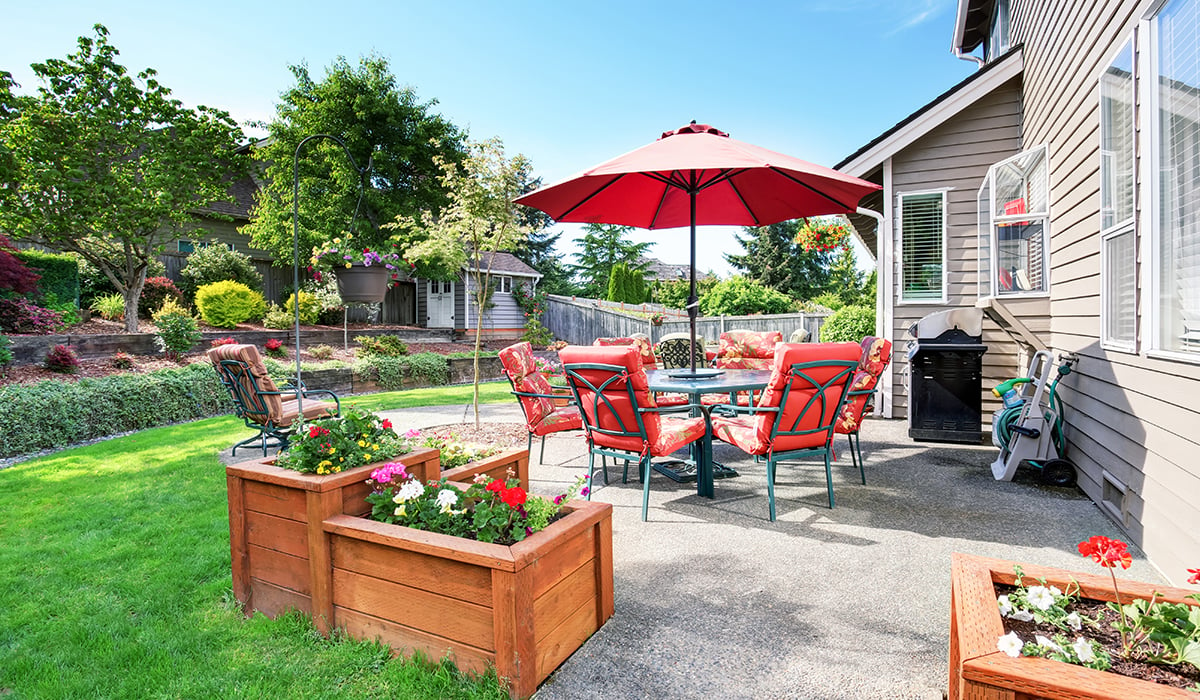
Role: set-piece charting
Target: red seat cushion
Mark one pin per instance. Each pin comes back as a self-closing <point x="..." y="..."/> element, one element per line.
<point x="563" y="418"/>
<point x="674" y="433"/>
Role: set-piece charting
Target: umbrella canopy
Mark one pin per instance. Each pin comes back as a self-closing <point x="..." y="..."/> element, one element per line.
<point x="694" y="175"/>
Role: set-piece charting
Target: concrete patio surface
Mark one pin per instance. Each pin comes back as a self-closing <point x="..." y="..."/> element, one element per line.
<point x="714" y="600"/>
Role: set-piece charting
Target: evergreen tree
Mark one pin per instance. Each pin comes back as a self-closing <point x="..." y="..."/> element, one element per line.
<point x="774" y="260"/>
<point x="601" y="247"/>
<point x="845" y="279"/>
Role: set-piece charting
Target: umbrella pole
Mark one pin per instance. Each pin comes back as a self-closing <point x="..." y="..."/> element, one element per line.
<point x="693" y="305"/>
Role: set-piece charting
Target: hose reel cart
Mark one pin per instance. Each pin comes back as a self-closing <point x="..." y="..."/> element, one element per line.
<point x="1029" y="427"/>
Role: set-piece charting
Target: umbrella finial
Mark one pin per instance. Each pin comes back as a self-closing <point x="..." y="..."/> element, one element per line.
<point x="694" y="128"/>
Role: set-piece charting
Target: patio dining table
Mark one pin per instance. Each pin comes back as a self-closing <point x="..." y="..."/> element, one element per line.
<point x="728" y="381"/>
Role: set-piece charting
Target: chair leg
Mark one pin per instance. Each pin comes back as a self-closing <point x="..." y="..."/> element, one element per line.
<point x="829" y="479"/>
<point x="771" y="486"/>
<point x="591" y="473"/>
<point x="858" y="451"/>
<point x="529" y="443"/>
<point x="644" y="467"/>
<point x="542" y="456"/>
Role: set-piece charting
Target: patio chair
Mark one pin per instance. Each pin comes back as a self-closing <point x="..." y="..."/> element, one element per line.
<point x="537" y="397"/>
<point x="639" y="340"/>
<point x="259" y="402"/>
<point x="744" y="349"/>
<point x="620" y="418"/>
<point x="673" y="351"/>
<point x="860" y="396"/>
<point x="796" y="414"/>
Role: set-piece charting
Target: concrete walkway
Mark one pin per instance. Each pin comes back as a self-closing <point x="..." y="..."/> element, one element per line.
<point x="714" y="600"/>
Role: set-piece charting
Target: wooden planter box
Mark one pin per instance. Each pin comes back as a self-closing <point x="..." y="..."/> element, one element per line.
<point x="496" y="466"/>
<point x="523" y="609"/>
<point x="276" y="536"/>
<point x="979" y="671"/>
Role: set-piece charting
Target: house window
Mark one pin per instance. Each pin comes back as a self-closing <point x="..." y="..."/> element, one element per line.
<point x="923" y="247"/>
<point x="186" y="246"/>
<point x="504" y="284"/>
<point x="997" y="42"/>
<point x="1118" y="249"/>
<point x="1014" y="226"/>
<point x="1175" y="247"/>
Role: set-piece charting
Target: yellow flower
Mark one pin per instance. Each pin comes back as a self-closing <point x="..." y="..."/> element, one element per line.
<point x="375" y="447"/>
<point x="365" y="435"/>
<point x="367" y="457"/>
<point x="341" y="459"/>
<point x="332" y="450"/>
<point x="337" y="239"/>
<point x="362" y="443"/>
<point x="400" y="511"/>
<point x="349" y="265"/>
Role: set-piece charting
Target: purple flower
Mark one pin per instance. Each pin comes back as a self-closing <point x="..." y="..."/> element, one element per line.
<point x="584" y="491"/>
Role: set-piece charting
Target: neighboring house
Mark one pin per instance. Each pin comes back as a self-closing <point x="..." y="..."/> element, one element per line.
<point x="451" y="304"/>
<point x="658" y="270"/>
<point x="1058" y="188"/>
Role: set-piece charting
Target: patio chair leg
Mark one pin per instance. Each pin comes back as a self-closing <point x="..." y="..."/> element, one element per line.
<point x="858" y="451"/>
<point x="644" y="466"/>
<point x="771" y="486"/>
<point x="591" y="473"/>
<point x="829" y="479"/>
<point x="529" y="443"/>
<point x="542" y="456"/>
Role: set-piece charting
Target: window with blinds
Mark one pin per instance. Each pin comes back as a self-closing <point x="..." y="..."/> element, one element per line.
<point x="1177" y="245"/>
<point x="923" y="246"/>
<point x="1118" y="244"/>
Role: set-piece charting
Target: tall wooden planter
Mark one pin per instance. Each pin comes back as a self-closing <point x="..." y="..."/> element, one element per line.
<point x="979" y="671"/>
<point x="276" y="535"/>
<point x="522" y="608"/>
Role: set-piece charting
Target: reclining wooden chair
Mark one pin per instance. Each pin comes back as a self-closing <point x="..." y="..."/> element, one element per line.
<point x="537" y="397"/>
<point x="256" y="399"/>
<point x="876" y="355"/>
<point x="797" y="411"/>
<point x="620" y="417"/>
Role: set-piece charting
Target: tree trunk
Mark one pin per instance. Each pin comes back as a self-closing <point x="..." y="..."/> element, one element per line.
<point x="133" y="294"/>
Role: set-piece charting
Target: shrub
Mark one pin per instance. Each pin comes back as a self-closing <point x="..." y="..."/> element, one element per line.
<point x="93" y="282"/>
<point x="21" y="316"/>
<point x="59" y="272"/>
<point x="829" y="300"/>
<point x="277" y="319"/>
<point x="536" y="333"/>
<point x="14" y="273"/>
<point x="739" y="296"/>
<point x="62" y="359"/>
<point x="6" y="355"/>
<point x="177" y="330"/>
<point x="156" y="292"/>
<point x="226" y="304"/>
<point x="849" y="324"/>
<point x="214" y="262"/>
<point x="110" y="307"/>
<point x="310" y="308"/>
<point x="390" y="372"/>
<point x="67" y="310"/>
<point x="274" y="348"/>
<point x="53" y="414"/>
<point x="122" y="360"/>
<point x="218" y="342"/>
<point x="321" y="352"/>
<point x="382" y="346"/>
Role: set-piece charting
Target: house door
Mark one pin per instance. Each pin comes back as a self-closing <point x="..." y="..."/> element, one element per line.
<point x="440" y="304"/>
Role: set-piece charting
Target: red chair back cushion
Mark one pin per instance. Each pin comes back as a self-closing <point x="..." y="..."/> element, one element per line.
<point x="622" y="414"/>
<point x="638" y="340"/>
<point x="876" y="354"/>
<point x="519" y="365"/>
<point x="802" y="391"/>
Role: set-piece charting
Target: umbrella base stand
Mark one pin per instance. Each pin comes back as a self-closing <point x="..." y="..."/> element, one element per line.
<point x="685" y="471"/>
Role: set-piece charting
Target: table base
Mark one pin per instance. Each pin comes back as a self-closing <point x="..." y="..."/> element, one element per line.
<point x="683" y="472"/>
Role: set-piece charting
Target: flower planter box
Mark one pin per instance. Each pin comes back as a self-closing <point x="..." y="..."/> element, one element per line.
<point x="275" y="528"/>
<point x="496" y="466"/>
<point x="522" y="608"/>
<point x="979" y="671"/>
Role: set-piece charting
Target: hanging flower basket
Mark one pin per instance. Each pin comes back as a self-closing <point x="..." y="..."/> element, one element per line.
<point x="818" y="235"/>
<point x="362" y="284"/>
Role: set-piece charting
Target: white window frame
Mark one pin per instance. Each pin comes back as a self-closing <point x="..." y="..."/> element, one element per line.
<point x="504" y="284"/>
<point x="991" y="285"/>
<point x="1123" y="227"/>
<point x="1152" y="98"/>
<point x="900" y="299"/>
<point x="196" y="245"/>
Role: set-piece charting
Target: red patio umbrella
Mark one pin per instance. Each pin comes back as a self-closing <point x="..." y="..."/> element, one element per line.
<point x="698" y="175"/>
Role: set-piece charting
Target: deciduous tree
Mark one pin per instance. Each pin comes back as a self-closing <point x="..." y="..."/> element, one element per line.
<point x="107" y="165"/>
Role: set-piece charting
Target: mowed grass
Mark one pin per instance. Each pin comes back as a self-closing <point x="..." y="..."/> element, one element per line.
<point x="114" y="561"/>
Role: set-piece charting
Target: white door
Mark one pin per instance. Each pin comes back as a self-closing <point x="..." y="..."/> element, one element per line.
<point x="440" y="304"/>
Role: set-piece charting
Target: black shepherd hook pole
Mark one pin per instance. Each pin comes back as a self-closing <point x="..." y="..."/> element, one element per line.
<point x="296" y="242"/>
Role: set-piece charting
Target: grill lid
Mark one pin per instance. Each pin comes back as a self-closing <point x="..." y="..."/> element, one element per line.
<point x="968" y="320"/>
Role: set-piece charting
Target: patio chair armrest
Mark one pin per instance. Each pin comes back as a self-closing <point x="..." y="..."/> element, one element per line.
<point x="569" y="396"/>
<point x="318" y="392"/>
<point x="730" y="410"/>
<point x="671" y="409"/>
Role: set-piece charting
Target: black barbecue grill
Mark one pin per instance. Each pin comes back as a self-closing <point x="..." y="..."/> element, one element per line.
<point x="945" y="377"/>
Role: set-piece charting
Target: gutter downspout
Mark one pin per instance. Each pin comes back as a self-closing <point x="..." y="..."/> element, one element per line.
<point x="882" y="296"/>
<point x="979" y="62"/>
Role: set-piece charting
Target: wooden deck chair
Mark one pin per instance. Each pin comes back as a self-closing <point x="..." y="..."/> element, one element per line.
<point x="259" y="402"/>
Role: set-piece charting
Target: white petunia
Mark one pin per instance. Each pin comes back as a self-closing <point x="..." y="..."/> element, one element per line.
<point x="1005" y="604"/>
<point x="446" y="499"/>
<point x="1047" y="643"/>
<point x="1057" y="593"/>
<point x="1074" y="621"/>
<point x="1022" y="615"/>
<point x="1040" y="597"/>
<point x="408" y="490"/>
<point x="1010" y="644"/>
<point x="1083" y="649"/>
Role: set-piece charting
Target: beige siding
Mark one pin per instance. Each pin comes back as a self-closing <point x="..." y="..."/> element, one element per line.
<point x="955" y="157"/>
<point x="1129" y="416"/>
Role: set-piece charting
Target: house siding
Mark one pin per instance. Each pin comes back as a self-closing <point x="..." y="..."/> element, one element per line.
<point x="955" y="157"/>
<point x="1128" y="415"/>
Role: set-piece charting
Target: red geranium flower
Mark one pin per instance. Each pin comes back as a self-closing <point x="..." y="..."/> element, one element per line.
<point x="1195" y="576"/>
<point x="314" y="431"/>
<point x="513" y="497"/>
<point x="386" y="424"/>
<point x="1106" y="552"/>
<point x="496" y="487"/>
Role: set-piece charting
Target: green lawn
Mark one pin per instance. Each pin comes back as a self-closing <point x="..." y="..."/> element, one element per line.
<point x="114" y="559"/>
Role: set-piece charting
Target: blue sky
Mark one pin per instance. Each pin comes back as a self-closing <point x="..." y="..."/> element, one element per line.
<point x="568" y="84"/>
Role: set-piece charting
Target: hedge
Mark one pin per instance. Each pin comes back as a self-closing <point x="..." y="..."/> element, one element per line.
<point x="60" y="274"/>
<point x="390" y="372"/>
<point x="54" y="414"/>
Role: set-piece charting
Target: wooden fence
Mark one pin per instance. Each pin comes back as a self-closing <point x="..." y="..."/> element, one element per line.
<point x="580" y="321"/>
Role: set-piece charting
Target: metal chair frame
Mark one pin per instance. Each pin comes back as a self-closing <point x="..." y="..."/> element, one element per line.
<point x="249" y="406"/>
<point x="529" y="441"/>
<point x="818" y="401"/>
